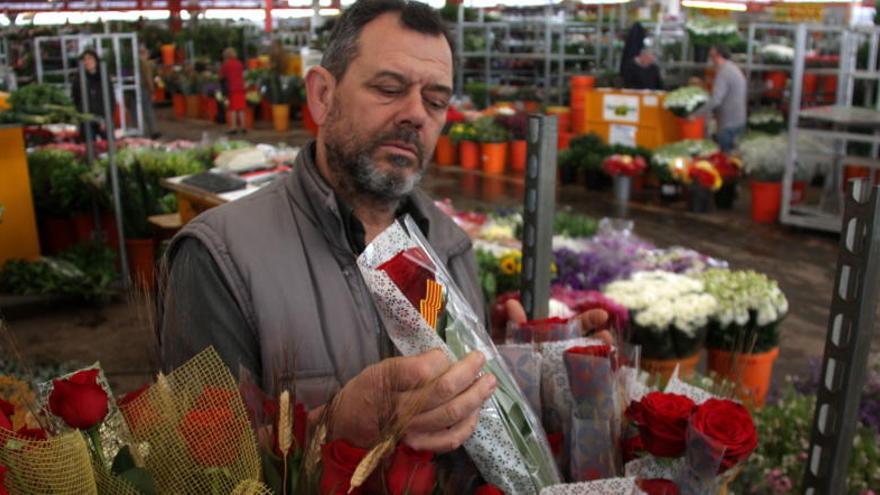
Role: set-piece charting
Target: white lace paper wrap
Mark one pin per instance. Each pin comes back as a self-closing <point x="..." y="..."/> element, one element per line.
<point x="610" y="486"/>
<point x="490" y="447"/>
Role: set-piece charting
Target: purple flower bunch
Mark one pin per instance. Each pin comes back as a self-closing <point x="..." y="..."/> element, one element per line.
<point x="604" y="259"/>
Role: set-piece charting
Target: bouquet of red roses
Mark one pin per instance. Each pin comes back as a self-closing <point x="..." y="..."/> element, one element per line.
<point x="702" y="438"/>
<point x="704" y="174"/>
<point x="728" y="167"/>
<point x="422" y="309"/>
<point x="627" y="165"/>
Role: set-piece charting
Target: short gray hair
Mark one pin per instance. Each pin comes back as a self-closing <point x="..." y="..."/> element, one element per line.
<point x="343" y="45"/>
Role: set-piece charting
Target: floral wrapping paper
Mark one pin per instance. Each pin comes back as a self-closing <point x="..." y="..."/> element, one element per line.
<point x="498" y="452"/>
<point x="525" y="364"/>
<point x="612" y="486"/>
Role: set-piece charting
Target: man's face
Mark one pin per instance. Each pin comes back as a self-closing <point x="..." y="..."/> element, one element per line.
<point x="90" y="63"/>
<point x="389" y="109"/>
<point x="714" y="57"/>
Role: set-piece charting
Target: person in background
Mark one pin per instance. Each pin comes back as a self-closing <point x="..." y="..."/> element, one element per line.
<point x="642" y="72"/>
<point x="278" y="58"/>
<point x="94" y="102"/>
<point x="232" y="76"/>
<point x="729" y="99"/>
<point x="148" y="88"/>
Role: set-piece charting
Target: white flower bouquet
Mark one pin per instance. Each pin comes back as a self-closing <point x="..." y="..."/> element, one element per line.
<point x="685" y="101"/>
<point x="777" y="54"/>
<point x="750" y="308"/>
<point x="767" y="120"/>
<point x="763" y="157"/>
<point x="707" y="32"/>
<point x="670" y="312"/>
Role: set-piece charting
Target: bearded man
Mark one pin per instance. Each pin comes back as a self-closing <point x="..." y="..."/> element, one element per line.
<point x="271" y="280"/>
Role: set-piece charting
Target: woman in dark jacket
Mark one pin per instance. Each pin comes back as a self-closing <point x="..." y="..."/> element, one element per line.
<point x="94" y="94"/>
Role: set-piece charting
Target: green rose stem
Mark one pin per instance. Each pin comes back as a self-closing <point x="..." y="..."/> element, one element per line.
<point x="215" y="473"/>
<point x="94" y="435"/>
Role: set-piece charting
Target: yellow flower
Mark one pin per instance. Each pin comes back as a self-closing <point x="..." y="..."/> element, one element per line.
<point x="20" y="395"/>
<point x="511" y="264"/>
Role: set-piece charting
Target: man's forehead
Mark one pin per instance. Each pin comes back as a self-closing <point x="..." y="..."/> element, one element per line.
<point x="386" y="45"/>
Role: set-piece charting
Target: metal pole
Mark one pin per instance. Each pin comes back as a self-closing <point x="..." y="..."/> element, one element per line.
<point x="850" y="333"/>
<point x="459" y="48"/>
<point x="114" y="172"/>
<point x="87" y="127"/>
<point x="540" y="205"/>
<point x="800" y="45"/>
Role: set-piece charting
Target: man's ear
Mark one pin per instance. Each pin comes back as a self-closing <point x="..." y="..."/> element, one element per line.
<point x="320" y="85"/>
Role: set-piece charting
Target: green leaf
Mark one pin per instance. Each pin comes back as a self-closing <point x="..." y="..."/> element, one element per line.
<point x="140" y="479"/>
<point x="123" y="462"/>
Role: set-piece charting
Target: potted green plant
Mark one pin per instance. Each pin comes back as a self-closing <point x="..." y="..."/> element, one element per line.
<point x="766" y="120"/>
<point x="493" y="140"/>
<point x="683" y="103"/>
<point x="464" y="136"/>
<point x="743" y="335"/>
<point x="60" y="194"/>
<point x="590" y="151"/>
<point x="517" y="126"/>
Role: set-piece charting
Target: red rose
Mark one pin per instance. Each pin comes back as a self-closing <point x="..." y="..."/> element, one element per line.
<point x="658" y="486"/>
<point x="546" y="330"/>
<point x="410" y="271"/>
<point x="591" y="350"/>
<point x="138" y="414"/>
<point x="270" y="409"/>
<point x="79" y="400"/>
<point x="300" y="424"/>
<point x="488" y="489"/>
<point x="31" y="433"/>
<point x="630" y="447"/>
<point x="411" y="472"/>
<point x="213" y="397"/>
<point x="663" y="421"/>
<point x="7" y="410"/>
<point x="211" y="436"/>
<point x="729" y="426"/>
<point x="3" y="481"/>
<point x="339" y="460"/>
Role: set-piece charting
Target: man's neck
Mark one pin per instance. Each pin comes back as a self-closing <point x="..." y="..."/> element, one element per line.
<point x="376" y="216"/>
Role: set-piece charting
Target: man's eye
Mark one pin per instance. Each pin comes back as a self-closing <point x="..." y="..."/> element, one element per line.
<point x="389" y="91"/>
<point x="438" y="104"/>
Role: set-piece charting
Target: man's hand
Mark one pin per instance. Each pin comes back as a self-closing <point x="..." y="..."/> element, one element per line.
<point x="443" y="399"/>
<point x="593" y="322"/>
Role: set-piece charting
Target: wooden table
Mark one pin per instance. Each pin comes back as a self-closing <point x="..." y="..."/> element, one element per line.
<point x="192" y="200"/>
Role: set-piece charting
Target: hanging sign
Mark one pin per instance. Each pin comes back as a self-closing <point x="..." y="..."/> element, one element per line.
<point x="621" y="108"/>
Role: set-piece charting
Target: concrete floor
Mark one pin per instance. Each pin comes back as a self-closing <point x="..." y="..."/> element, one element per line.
<point x="120" y="335"/>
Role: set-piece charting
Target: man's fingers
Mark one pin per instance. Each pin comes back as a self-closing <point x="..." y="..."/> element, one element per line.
<point x="515" y="311"/>
<point x="411" y="372"/>
<point x="455" y="380"/>
<point x="444" y="440"/>
<point x="456" y="410"/>
<point x="605" y="336"/>
<point x="593" y="319"/>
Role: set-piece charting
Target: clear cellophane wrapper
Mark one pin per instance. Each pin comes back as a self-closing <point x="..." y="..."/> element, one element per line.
<point x="509" y="446"/>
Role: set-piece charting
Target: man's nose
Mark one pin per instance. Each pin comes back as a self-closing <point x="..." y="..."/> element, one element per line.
<point x="412" y="110"/>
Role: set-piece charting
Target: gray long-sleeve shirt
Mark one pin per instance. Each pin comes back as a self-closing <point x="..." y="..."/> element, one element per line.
<point x="729" y="97"/>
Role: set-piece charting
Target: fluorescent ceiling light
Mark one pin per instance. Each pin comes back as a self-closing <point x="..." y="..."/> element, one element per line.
<point x="253" y="15"/>
<point x="301" y="13"/>
<point x="708" y="4"/>
<point x="49" y="18"/>
<point x="821" y="1"/>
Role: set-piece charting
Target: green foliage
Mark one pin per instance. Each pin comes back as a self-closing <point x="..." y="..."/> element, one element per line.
<point x="462" y="131"/>
<point x="41" y="104"/>
<point x="85" y="271"/>
<point x="570" y="224"/>
<point x="478" y="93"/>
<point x="61" y="183"/>
<point x="34" y="96"/>
<point x="784" y="431"/>
<point x="587" y="152"/>
<point x="489" y="131"/>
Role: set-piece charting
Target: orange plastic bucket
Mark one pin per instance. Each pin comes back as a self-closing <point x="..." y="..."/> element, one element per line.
<point x="751" y="371"/>
<point x="167" y="54"/>
<point x="766" y="200"/>
<point x="775" y="81"/>
<point x="665" y="367"/>
<point x="192" y="106"/>
<point x="493" y="157"/>
<point x="692" y="128"/>
<point x="281" y="117"/>
<point x="445" y="153"/>
<point x="469" y="154"/>
<point x="583" y="82"/>
<point x="179" y="103"/>
<point x="518" y="154"/>
<point x="142" y="261"/>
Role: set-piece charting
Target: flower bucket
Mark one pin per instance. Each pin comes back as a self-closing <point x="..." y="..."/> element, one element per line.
<point x="445" y="153"/>
<point x="56" y="234"/>
<point x="266" y="111"/>
<point x="564" y="118"/>
<point x="518" y="155"/>
<point x="752" y="371"/>
<point x="211" y="109"/>
<point x="829" y="88"/>
<point x="159" y="95"/>
<point x="583" y="82"/>
<point x="775" y="81"/>
<point x="665" y="367"/>
<point x="563" y="140"/>
<point x="249" y="117"/>
<point x="699" y="199"/>
<point x="83" y="227"/>
<point x="493" y="157"/>
<point x="622" y="186"/>
<point x="179" y="103"/>
<point x="469" y="154"/>
<point x="692" y="128"/>
<point x="281" y="117"/>
<point x="308" y="121"/>
<point x="766" y="200"/>
<point x="192" y="106"/>
<point x="167" y="54"/>
<point x="142" y="262"/>
<point x="811" y="83"/>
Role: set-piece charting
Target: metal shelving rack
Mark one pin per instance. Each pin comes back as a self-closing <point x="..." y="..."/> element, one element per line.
<point x="835" y="122"/>
<point x="547" y="41"/>
<point x="125" y="79"/>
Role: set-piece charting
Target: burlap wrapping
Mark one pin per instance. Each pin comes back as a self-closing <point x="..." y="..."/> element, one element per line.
<point x="192" y="430"/>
